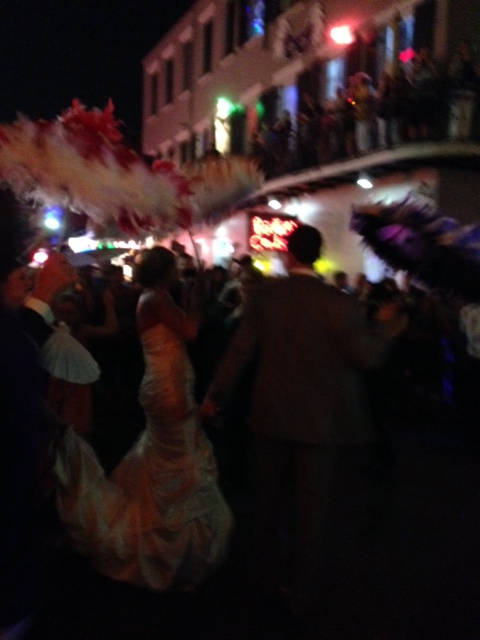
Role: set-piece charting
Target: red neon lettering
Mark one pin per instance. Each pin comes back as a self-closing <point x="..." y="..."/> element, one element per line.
<point x="269" y="234"/>
<point x="272" y="226"/>
<point x="262" y="243"/>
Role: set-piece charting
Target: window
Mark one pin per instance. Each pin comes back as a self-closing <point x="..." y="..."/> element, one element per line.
<point x="243" y="21"/>
<point x="169" y="81"/>
<point x="286" y="4"/>
<point x="230" y="26"/>
<point x="389" y="44"/>
<point x="193" y="148"/>
<point x="255" y="18"/>
<point x="207" y="46"/>
<point x="187" y="65"/>
<point x="385" y="52"/>
<point x="184" y="149"/>
<point x="407" y="32"/>
<point x="153" y="82"/>
<point x="206" y="140"/>
<point x="335" y="77"/>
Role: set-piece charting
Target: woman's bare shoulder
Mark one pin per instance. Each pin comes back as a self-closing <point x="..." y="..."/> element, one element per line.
<point x="150" y="308"/>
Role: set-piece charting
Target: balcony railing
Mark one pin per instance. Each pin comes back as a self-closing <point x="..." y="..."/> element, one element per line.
<point x="350" y="127"/>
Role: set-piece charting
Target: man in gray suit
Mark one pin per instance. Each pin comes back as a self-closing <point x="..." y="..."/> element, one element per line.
<point x="311" y="342"/>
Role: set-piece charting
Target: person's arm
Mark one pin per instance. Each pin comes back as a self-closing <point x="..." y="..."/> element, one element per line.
<point x="183" y="324"/>
<point x="239" y="354"/>
<point x="159" y="308"/>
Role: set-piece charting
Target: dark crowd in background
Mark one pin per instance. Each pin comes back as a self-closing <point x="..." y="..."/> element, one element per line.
<point x="414" y="101"/>
<point x="428" y="380"/>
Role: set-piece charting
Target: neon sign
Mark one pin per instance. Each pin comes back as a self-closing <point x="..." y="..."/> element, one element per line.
<point x="270" y="233"/>
<point x="81" y="244"/>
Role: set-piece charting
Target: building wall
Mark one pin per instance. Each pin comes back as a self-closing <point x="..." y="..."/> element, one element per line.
<point x="458" y="195"/>
<point x="254" y="66"/>
<point x="463" y="21"/>
<point x="329" y="210"/>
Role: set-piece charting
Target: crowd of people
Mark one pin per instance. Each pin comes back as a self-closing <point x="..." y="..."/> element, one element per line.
<point x="418" y="100"/>
<point x="297" y="370"/>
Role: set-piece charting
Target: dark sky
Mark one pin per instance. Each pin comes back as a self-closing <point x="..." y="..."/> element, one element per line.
<point x="51" y="52"/>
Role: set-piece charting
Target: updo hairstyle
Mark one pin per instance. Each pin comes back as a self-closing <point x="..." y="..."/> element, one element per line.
<point x="155" y="267"/>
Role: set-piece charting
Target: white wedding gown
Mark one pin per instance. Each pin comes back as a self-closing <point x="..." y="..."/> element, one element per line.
<point x="161" y="520"/>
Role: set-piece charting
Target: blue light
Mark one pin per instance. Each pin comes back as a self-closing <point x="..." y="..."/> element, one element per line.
<point x="256" y="18"/>
<point x="52" y="219"/>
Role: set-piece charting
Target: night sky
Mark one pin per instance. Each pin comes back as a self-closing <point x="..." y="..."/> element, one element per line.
<point x="52" y="52"/>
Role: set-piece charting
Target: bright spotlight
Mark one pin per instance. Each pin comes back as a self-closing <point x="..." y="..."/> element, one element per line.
<point x="274" y="204"/>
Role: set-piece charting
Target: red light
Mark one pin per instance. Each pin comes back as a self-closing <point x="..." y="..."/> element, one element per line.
<point x="342" y="35"/>
<point x="406" y="55"/>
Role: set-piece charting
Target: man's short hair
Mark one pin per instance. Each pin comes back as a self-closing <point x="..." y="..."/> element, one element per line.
<point x="305" y="244"/>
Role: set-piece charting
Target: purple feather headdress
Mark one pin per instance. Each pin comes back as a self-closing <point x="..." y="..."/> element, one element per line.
<point x="435" y="249"/>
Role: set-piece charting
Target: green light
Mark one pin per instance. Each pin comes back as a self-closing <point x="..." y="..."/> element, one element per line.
<point x="110" y="245"/>
<point x="260" y="109"/>
<point x="99" y="246"/>
<point x="238" y="108"/>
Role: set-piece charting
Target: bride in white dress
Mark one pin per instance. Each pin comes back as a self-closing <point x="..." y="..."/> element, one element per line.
<point x="160" y="521"/>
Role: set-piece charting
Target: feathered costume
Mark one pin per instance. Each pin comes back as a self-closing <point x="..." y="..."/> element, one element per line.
<point x="435" y="249"/>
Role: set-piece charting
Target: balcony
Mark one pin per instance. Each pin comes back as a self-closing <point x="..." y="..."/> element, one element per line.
<point x="364" y="130"/>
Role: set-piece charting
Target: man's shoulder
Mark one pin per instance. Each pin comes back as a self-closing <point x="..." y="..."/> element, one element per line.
<point x="34" y="325"/>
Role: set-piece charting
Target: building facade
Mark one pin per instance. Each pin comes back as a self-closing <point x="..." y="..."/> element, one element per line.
<point x="230" y="69"/>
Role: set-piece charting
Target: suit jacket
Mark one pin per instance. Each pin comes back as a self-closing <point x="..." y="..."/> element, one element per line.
<point x="311" y="341"/>
<point x="35" y="326"/>
<point x="23" y="437"/>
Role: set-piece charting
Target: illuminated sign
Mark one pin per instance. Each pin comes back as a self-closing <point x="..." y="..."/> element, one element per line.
<point x="81" y="244"/>
<point x="270" y="233"/>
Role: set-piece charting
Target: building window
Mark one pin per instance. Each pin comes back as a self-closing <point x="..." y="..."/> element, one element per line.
<point x="389" y="45"/>
<point x="385" y="49"/>
<point x="255" y="18"/>
<point x="184" y="150"/>
<point x="169" y="81"/>
<point x="206" y="140"/>
<point x="207" y="46"/>
<point x="407" y="33"/>
<point x="274" y="8"/>
<point x="193" y="148"/>
<point x="222" y="127"/>
<point x="286" y="4"/>
<point x="187" y="65"/>
<point x="153" y="82"/>
<point x="335" y="77"/>
<point x="230" y="15"/>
